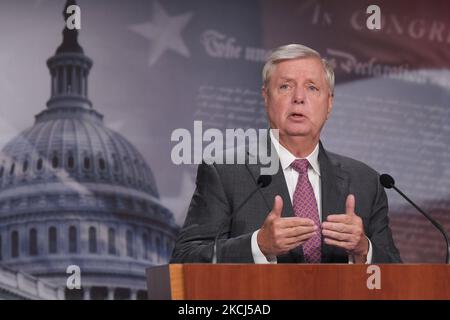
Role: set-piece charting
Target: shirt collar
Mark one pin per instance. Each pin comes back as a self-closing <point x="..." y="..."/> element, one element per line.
<point x="286" y="157"/>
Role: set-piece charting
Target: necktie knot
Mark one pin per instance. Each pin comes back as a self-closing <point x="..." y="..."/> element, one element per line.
<point x="300" y="165"/>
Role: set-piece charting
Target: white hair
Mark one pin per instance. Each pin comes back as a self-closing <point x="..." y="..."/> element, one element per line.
<point x="291" y="52"/>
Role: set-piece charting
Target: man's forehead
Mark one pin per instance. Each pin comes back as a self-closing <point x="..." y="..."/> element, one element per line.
<point x="306" y="66"/>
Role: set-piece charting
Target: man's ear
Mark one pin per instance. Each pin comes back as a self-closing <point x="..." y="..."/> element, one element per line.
<point x="330" y="104"/>
<point x="265" y="95"/>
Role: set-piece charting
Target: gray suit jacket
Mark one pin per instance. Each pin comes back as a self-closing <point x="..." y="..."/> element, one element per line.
<point x="222" y="188"/>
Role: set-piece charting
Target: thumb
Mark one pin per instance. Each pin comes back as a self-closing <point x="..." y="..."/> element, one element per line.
<point x="350" y="204"/>
<point x="277" y="206"/>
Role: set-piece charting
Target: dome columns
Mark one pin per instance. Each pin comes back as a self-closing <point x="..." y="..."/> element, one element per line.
<point x="69" y="80"/>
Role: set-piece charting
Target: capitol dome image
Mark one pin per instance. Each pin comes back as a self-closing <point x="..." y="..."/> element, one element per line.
<point x="74" y="192"/>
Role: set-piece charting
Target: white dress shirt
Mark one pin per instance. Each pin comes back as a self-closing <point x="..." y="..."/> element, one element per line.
<point x="291" y="176"/>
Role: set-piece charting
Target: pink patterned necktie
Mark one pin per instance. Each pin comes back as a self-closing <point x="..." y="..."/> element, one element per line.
<point x="305" y="206"/>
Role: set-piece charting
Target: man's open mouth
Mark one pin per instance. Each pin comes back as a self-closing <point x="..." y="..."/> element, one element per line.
<point x="297" y="115"/>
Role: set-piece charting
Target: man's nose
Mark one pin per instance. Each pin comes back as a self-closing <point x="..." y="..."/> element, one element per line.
<point x="299" y="96"/>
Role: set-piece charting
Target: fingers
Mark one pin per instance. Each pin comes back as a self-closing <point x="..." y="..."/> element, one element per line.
<point x="337" y="235"/>
<point x="341" y="218"/>
<point x="341" y="244"/>
<point x="290" y="221"/>
<point x="294" y="234"/>
<point x="299" y="231"/>
<point x="295" y="222"/>
<point x="345" y="231"/>
<point x="277" y="206"/>
<point x="278" y="235"/>
<point x="338" y="227"/>
<point x="277" y="244"/>
<point x="350" y="205"/>
<point x="293" y="242"/>
<point x="299" y="240"/>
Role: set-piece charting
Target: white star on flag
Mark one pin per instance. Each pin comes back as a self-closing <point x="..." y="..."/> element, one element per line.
<point x="164" y="32"/>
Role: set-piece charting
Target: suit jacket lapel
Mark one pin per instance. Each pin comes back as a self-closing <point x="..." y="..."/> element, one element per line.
<point x="334" y="188"/>
<point x="276" y="187"/>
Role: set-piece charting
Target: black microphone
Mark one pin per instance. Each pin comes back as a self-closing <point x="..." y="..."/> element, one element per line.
<point x="262" y="182"/>
<point x="388" y="182"/>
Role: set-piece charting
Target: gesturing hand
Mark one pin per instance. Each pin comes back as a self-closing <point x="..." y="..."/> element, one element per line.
<point x="279" y="235"/>
<point x="346" y="230"/>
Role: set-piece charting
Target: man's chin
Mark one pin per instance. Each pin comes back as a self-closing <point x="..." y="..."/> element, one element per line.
<point x="297" y="133"/>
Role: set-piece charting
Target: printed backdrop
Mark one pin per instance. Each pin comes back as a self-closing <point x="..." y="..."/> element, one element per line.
<point x="160" y="65"/>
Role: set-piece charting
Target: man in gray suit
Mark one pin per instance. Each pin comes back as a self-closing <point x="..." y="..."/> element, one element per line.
<point x="320" y="207"/>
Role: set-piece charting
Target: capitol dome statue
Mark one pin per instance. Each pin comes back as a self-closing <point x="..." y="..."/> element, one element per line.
<point x="73" y="192"/>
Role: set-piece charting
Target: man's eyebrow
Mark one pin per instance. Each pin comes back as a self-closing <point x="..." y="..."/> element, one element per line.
<point x="311" y="80"/>
<point x="306" y="80"/>
<point x="287" y="79"/>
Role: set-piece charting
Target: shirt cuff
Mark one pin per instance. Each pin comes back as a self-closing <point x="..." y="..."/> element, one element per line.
<point x="258" y="256"/>
<point x="351" y="259"/>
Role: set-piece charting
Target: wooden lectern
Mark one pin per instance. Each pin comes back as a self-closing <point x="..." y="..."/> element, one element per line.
<point x="299" y="282"/>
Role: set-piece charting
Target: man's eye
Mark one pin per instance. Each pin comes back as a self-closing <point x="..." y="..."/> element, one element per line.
<point x="312" y="88"/>
<point x="284" y="86"/>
